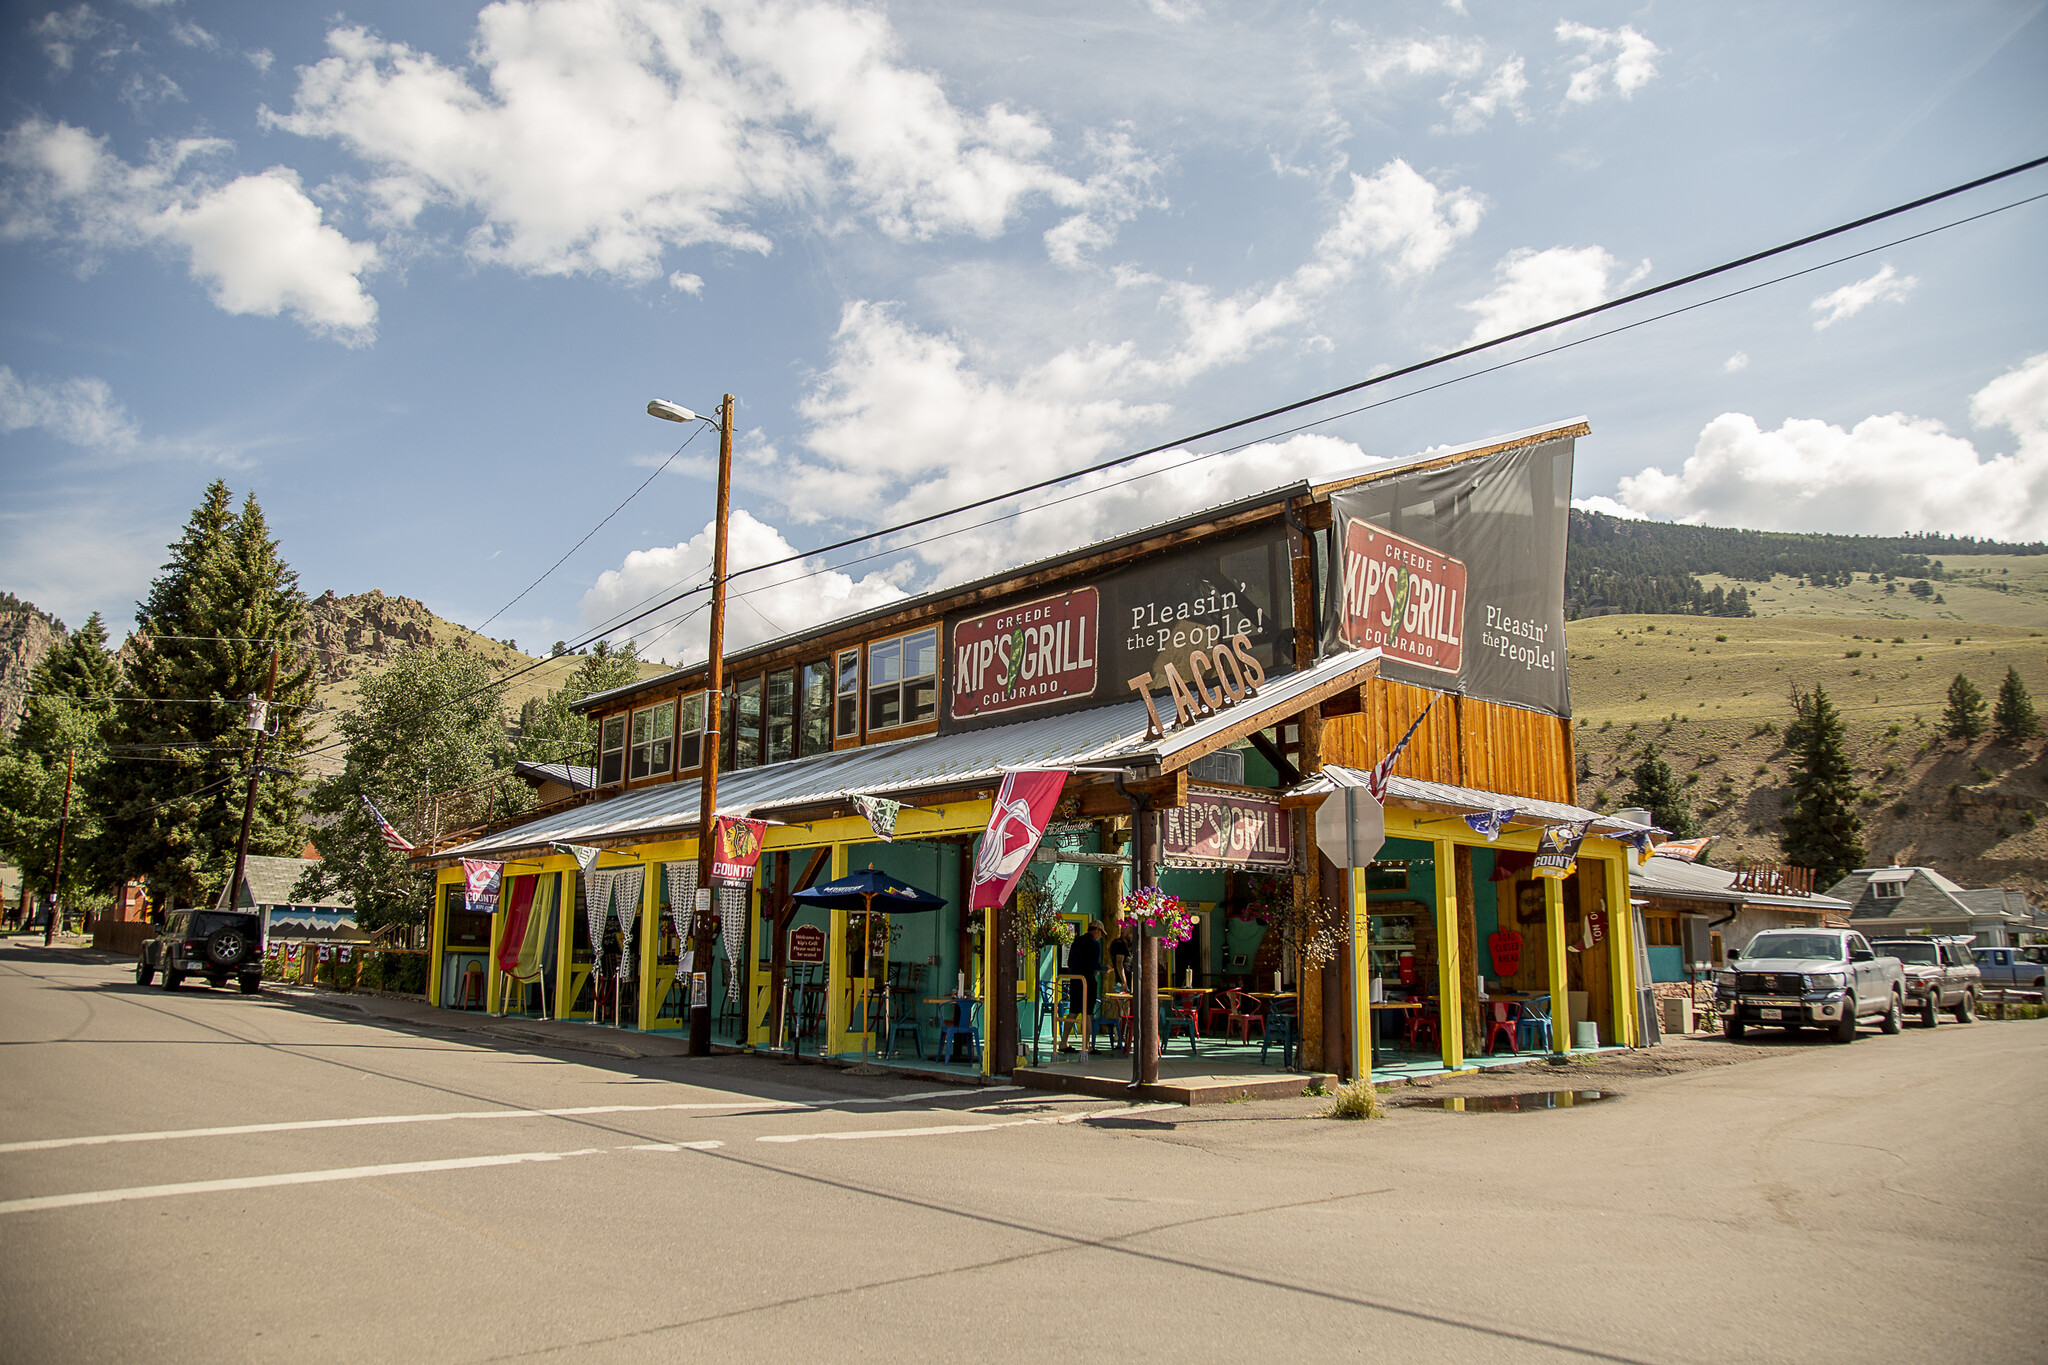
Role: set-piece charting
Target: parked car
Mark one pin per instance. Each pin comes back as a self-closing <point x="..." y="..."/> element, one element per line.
<point x="1940" y="975"/>
<point x="215" y="944"/>
<point x="2024" y="967"/>
<point x="1811" y="978"/>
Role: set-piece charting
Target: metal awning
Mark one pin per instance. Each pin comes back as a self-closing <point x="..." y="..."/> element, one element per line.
<point x="1470" y="800"/>
<point x="1115" y="736"/>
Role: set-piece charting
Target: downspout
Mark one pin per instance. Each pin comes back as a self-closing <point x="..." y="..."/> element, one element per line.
<point x="1145" y="1009"/>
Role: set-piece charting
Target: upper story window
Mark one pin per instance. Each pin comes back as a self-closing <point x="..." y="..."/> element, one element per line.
<point x="653" y="749"/>
<point x="1888" y="891"/>
<point x="740" y="744"/>
<point x="814" y="708"/>
<point x="611" y="750"/>
<point x="778" y="706"/>
<point x="848" y="692"/>
<point x="690" y="732"/>
<point x="903" y="680"/>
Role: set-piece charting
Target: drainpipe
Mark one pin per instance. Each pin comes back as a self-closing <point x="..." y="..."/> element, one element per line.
<point x="1145" y="1010"/>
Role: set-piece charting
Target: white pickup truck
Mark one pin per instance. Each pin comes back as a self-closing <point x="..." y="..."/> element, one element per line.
<point x="1810" y="978"/>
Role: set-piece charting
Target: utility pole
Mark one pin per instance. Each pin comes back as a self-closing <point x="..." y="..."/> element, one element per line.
<point x="63" y="822"/>
<point x="706" y="922"/>
<point x="258" y="714"/>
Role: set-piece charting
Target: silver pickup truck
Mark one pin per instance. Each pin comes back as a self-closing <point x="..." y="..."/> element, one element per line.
<point x="1810" y="978"/>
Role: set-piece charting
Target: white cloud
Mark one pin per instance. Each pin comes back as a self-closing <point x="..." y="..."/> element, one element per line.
<point x="62" y="31"/>
<point x="187" y="33"/>
<point x="1443" y="55"/>
<point x="1886" y="286"/>
<point x="1735" y="364"/>
<point x="257" y="242"/>
<point x="600" y="133"/>
<point x="1632" y="66"/>
<point x="1502" y="92"/>
<point x="760" y="607"/>
<point x="1608" y="506"/>
<point x="1403" y="218"/>
<point x="1175" y="11"/>
<point x="82" y="412"/>
<point x="1886" y="475"/>
<point x="685" y="283"/>
<point x="1535" y="286"/>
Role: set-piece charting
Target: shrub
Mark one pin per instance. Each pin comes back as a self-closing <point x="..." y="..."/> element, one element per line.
<point x="1357" y="1100"/>
<point x="1720" y="639"/>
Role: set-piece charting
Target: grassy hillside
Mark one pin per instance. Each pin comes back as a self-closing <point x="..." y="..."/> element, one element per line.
<point x="1714" y="695"/>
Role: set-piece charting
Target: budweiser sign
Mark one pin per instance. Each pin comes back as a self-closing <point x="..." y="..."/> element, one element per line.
<point x="1029" y="655"/>
<point x="1404" y="598"/>
<point x="1241" y="828"/>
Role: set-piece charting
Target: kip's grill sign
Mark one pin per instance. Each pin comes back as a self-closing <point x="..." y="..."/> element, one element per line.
<point x="1404" y="597"/>
<point x="1028" y="655"/>
<point x="1240" y="828"/>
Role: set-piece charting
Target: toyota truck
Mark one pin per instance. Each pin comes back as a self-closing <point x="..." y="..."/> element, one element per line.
<point x="1829" y="979"/>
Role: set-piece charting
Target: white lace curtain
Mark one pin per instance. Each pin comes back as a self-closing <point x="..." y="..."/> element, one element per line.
<point x="604" y="889"/>
<point x="732" y="902"/>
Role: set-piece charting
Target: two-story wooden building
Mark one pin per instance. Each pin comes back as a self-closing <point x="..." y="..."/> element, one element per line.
<point x="1214" y="666"/>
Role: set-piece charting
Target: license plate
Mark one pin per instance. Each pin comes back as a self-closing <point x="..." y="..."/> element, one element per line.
<point x="1770" y="1014"/>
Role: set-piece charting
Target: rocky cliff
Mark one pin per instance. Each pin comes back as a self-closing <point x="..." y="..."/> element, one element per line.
<point x="26" y="634"/>
<point x="367" y="628"/>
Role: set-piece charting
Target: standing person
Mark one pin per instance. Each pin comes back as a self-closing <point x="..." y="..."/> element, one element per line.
<point x="1120" y="961"/>
<point x="1084" y="980"/>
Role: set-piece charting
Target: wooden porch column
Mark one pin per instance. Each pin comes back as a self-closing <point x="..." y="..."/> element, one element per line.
<point x="437" y="935"/>
<point x="1450" y="969"/>
<point x="837" y="1012"/>
<point x="1621" y="949"/>
<point x="1468" y="951"/>
<point x="1560" y="984"/>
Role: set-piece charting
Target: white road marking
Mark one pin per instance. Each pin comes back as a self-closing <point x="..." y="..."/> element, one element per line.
<point x="260" y="1182"/>
<point x="700" y="1146"/>
<point x="957" y="1092"/>
<point x="856" y="1135"/>
<point x="379" y="1120"/>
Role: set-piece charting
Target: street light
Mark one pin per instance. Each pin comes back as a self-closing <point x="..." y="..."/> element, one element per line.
<point x="707" y="804"/>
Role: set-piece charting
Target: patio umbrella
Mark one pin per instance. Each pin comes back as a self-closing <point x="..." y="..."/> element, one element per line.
<point x="872" y="892"/>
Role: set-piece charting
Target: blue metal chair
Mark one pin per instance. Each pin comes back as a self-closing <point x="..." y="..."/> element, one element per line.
<point x="1172" y="1021"/>
<point x="965" y="1025"/>
<point x="1282" y="1027"/>
<point x="1535" y="1022"/>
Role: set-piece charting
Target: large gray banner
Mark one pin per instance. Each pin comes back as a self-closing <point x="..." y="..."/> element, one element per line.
<point x="1457" y="575"/>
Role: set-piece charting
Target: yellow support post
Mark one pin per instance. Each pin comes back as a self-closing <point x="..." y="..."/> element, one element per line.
<point x="493" y="987"/>
<point x="1360" y="1061"/>
<point x="1560" y="992"/>
<point x="437" y="935"/>
<point x="566" y="909"/>
<point x="1450" y="970"/>
<point x="838" y="986"/>
<point x="650" y="942"/>
<point x="1621" y="949"/>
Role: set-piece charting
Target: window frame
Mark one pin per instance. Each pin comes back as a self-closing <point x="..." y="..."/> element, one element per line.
<point x="768" y="718"/>
<point x="607" y="750"/>
<point x="847" y="692"/>
<point x="805" y="745"/>
<point x="1887" y="890"/>
<point x="635" y="745"/>
<point x="694" y="735"/>
<point x="901" y="684"/>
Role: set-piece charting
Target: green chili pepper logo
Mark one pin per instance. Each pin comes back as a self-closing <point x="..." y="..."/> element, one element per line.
<point x="1404" y="584"/>
<point x="1016" y="661"/>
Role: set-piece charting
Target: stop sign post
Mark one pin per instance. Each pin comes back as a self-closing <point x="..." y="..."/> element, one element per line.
<point x="1351" y="828"/>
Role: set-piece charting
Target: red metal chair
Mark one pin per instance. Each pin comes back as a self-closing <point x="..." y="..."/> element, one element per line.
<point x="1423" y="1022"/>
<point x="1216" y="1017"/>
<point x="1506" y="1019"/>
<point x="1241" y="1023"/>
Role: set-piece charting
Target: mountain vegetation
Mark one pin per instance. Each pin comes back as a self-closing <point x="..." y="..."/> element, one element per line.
<point x="55" y="751"/>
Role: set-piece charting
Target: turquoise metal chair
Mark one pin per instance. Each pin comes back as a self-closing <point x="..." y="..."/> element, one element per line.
<point x="965" y="1027"/>
<point x="1534" y="1023"/>
<point x="1172" y="1021"/>
<point x="1282" y="1027"/>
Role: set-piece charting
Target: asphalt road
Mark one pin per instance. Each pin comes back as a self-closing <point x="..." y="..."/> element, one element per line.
<point x="289" y="1183"/>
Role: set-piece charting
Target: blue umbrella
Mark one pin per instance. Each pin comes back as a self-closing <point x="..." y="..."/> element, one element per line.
<point x="868" y="889"/>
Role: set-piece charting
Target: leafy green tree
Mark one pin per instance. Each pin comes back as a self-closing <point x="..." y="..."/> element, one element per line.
<point x="549" y="732"/>
<point x="2013" y="719"/>
<point x="1822" y="830"/>
<point x="68" y="701"/>
<point x="1964" y="718"/>
<point x="205" y="636"/>
<point x="1658" y="790"/>
<point x="429" y="723"/>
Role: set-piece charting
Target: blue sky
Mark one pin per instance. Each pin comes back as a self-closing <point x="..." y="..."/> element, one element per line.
<point x="411" y="272"/>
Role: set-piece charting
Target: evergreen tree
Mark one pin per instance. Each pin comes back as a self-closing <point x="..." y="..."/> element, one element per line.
<point x="1822" y="830"/>
<point x="2013" y="719"/>
<point x="1964" y="718"/>
<point x="203" y="645"/>
<point x="549" y="732"/>
<point x="68" y="702"/>
<point x="428" y="723"/>
<point x="1658" y="790"/>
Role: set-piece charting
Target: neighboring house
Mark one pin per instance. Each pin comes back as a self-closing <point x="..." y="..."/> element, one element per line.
<point x="10" y="893"/>
<point x="1919" y="900"/>
<point x="553" y="782"/>
<point x="1693" y="913"/>
<point x="267" y="889"/>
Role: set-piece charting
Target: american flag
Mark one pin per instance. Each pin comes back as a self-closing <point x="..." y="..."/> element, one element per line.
<point x="392" y="838"/>
<point x="1376" y="779"/>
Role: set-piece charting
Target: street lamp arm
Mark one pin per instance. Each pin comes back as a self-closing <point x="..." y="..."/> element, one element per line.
<point x="676" y="412"/>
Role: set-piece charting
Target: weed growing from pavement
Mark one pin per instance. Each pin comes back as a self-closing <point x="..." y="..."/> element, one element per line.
<point x="1358" y="1100"/>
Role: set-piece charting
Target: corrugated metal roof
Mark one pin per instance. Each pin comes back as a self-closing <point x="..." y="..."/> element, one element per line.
<point x="1474" y="800"/>
<point x="1699" y="881"/>
<point x="1110" y="736"/>
<point x="576" y="775"/>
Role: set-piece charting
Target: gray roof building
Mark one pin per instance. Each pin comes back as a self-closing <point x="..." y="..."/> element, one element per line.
<point x="269" y="881"/>
<point x="1919" y="900"/>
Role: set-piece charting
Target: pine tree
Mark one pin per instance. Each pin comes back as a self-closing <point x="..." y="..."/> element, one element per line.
<point x="549" y="732"/>
<point x="203" y="645"/>
<point x="2013" y="719"/>
<point x="1822" y="830"/>
<point x="68" y="702"/>
<point x="1964" y="718"/>
<point x="428" y="722"/>
<point x="1658" y="790"/>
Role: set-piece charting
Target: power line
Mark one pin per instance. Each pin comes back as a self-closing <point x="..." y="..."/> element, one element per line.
<point x="1372" y="382"/>
<point x="593" y="530"/>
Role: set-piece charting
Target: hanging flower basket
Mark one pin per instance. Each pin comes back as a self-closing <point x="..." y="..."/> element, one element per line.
<point x="1163" y="915"/>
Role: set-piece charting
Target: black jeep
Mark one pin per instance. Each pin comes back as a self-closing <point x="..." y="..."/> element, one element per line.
<point x="215" y="944"/>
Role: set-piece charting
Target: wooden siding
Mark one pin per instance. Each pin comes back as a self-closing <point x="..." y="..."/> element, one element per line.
<point x="1462" y="742"/>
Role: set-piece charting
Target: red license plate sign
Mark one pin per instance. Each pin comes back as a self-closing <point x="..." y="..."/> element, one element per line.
<point x="1229" y="827"/>
<point x="807" y="943"/>
<point x="1029" y="655"/>
<point x="1404" y="598"/>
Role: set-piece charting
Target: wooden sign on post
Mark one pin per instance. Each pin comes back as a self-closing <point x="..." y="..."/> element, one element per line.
<point x="807" y="943"/>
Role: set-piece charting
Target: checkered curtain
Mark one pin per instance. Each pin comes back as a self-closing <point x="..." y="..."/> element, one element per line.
<point x="733" y="904"/>
<point x="629" y="884"/>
